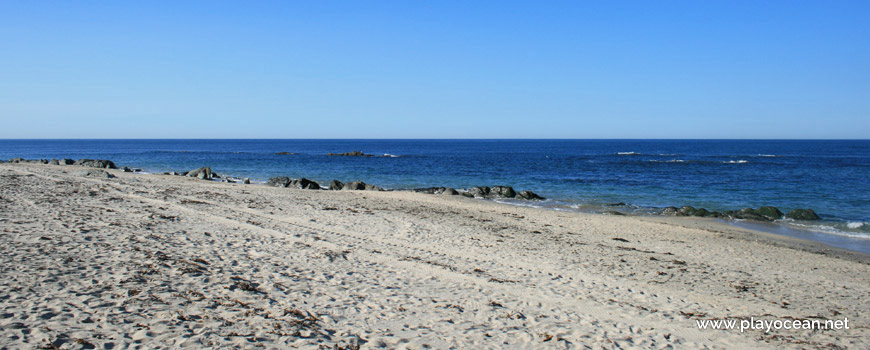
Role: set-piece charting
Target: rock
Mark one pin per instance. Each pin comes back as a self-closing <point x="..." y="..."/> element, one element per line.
<point x="127" y="170"/>
<point x="97" y="173"/>
<point x="335" y="185"/>
<point x="16" y="160"/>
<point x="620" y="204"/>
<point x="202" y="173"/>
<point x="449" y="192"/>
<point x="529" y="195"/>
<point x="370" y="187"/>
<point x="746" y="214"/>
<point x="478" y="192"/>
<point x="614" y="212"/>
<point x="66" y="161"/>
<point x="771" y="213"/>
<point x="670" y="211"/>
<point x="54" y="162"/>
<point x="687" y="210"/>
<point x="137" y="170"/>
<point x="351" y="154"/>
<point x="803" y="214"/>
<point x="96" y="163"/>
<point x="502" y="192"/>
<point x="281" y="181"/>
<point x="429" y="190"/>
<point x="354" y="186"/>
<point x="246" y="181"/>
<point x="304" y="184"/>
<point x="286" y="154"/>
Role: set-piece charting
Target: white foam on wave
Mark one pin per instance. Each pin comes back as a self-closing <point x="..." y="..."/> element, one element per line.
<point x="736" y="161"/>
<point x="390" y="155"/>
<point x="855" y="224"/>
<point x="627" y="153"/>
<point x="768" y="155"/>
<point x="667" y="161"/>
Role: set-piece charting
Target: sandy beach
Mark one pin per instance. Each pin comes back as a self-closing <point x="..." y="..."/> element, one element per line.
<point x="158" y="261"/>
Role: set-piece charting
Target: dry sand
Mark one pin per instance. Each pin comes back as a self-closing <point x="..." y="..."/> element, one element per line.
<point x="152" y="261"/>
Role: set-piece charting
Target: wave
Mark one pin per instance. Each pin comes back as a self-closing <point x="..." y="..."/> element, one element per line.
<point x="736" y="161"/>
<point x="667" y="161"/>
<point x="628" y="153"/>
<point x="767" y="155"/>
<point x="391" y="155"/>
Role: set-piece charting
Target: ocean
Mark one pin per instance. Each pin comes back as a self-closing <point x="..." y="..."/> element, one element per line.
<point x="831" y="177"/>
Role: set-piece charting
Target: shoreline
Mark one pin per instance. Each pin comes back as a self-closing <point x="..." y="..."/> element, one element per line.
<point x="179" y="262"/>
<point x="831" y="240"/>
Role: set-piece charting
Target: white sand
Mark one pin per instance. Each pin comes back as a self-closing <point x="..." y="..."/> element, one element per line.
<point x="152" y="261"/>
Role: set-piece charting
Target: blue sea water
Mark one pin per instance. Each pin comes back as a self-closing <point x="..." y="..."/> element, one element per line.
<point x="831" y="177"/>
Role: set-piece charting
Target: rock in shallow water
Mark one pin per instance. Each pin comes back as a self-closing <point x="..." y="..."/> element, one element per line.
<point x="502" y="192"/>
<point x="803" y="214"/>
<point x="529" y="195"/>
<point x="280" y="181"/>
<point x="335" y="185"/>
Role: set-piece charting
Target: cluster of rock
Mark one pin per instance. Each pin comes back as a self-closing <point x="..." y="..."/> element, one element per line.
<point x="351" y="154"/>
<point x="91" y="163"/>
<point x="761" y="214"/>
<point x="475" y="192"/>
<point x="499" y="192"/>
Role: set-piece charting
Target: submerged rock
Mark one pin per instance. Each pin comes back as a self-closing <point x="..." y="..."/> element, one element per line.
<point x="286" y="154"/>
<point x="771" y="213"/>
<point x="502" y="192"/>
<point x="803" y="214"/>
<point x="96" y="163"/>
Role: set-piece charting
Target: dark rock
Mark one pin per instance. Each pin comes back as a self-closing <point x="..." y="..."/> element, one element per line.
<point x="246" y="181"/>
<point x="202" y="173"/>
<point x="286" y="154"/>
<point x="803" y="214"/>
<point x="16" y="160"/>
<point x="281" y="181"/>
<point x="128" y="170"/>
<point x="687" y="210"/>
<point x="304" y="184"/>
<point x="771" y="213"/>
<point x="450" y="192"/>
<point x="614" y="212"/>
<point x="54" y="162"/>
<point x="96" y="163"/>
<point x="429" y="190"/>
<point x="351" y="154"/>
<point x="529" y="195"/>
<point x="502" y="192"/>
<point x="354" y="186"/>
<point x="747" y="214"/>
<point x="66" y="161"/>
<point x="335" y="185"/>
<point x="670" y="211"/>
<point x="620" y="204"/>
<point x="370" y="187"/>
<point x="478" y="192"/>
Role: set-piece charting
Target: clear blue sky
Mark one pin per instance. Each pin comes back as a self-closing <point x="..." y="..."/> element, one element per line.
<point x="435" y="69"/>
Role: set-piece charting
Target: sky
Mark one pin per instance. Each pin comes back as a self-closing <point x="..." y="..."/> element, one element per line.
<point x="435" y="69"/>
